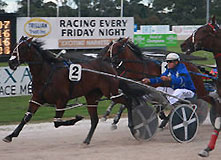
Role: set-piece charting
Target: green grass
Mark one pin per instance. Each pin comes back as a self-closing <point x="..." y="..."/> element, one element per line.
<point x="208" y="55"/>
<point x="12" y="109"/>
<point x="3" y="64"/>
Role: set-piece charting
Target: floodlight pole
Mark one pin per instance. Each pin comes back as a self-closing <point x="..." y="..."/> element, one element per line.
<point x="28" y="8"/>
<point x="57" y="8"/>
<point x="122" y="8"/>
<point x="207" y="11"/>
<point x="79" y="8"/>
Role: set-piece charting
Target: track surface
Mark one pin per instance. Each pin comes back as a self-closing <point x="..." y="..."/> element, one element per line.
<point x="44" y="142"/>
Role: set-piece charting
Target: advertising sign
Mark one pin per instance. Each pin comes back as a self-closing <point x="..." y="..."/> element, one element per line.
<point x="184" y="32"/>
<point x="75" y="32"/>
<point x="155" y="40"/>
<point x="15" y="83"/>
<point x="154" y="29"/>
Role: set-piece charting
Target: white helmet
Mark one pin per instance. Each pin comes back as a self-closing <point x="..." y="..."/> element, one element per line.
<point x="172" y="57"/>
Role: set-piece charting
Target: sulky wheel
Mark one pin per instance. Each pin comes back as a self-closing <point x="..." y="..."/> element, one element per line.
<point x="145" y="122"/>
<point x="183" y="123"/>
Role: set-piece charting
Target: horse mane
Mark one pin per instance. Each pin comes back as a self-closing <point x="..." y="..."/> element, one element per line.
<point x="47" y="55"/>
<point x="137" y="52"/>
<point x="103" y="51"/>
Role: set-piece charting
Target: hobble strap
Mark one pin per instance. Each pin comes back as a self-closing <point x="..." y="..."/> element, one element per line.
<point x="32" y="101"/>
<point x="213" y="139"/>
<point x="27" y="117"/>
<point x="116" y="96"/>
<point x="217" y="55"/>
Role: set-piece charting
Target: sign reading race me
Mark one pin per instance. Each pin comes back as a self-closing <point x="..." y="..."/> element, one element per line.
<point x="15" y="83"/>
<point x="75" y="32"/>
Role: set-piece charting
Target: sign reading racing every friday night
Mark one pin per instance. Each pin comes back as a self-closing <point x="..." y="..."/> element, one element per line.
<point x="76" y="32"/>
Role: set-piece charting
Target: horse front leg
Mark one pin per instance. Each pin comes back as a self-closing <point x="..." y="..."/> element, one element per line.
<point x="33" y="107"/>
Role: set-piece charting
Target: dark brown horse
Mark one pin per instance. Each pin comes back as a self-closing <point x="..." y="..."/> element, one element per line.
<point x="51" y="84"/>
<point x="129" y="61"/>
<point x="208" y="38"/>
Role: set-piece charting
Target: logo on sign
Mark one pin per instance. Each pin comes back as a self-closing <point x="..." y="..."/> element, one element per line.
<point x="75" y="72"/>
<point x="37" y="27"/>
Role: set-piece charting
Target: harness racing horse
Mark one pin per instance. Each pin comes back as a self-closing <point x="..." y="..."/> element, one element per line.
<point x="50" y="84"/>
<point x="129" y="61"/>
<point x="208" y="38"/>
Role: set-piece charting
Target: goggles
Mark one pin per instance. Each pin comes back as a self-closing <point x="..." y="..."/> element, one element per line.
<point x="170" y="61"/>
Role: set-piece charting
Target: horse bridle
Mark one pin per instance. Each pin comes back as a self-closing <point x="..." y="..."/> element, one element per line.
<point x="214" y="29"/>
<point x="16" y="52"/>
<point x="113" y="57"/>
<point x="120" y="62"/>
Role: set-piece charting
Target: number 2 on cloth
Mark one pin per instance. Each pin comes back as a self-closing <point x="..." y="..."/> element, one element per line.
<point x="75" y="72"/>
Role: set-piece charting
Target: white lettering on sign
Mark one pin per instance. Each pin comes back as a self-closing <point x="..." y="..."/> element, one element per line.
<point x="75" y="72"/>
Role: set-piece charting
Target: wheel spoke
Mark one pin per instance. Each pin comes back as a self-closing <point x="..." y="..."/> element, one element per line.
<point x="184" y="114"/>
<point x="178" y="126"/>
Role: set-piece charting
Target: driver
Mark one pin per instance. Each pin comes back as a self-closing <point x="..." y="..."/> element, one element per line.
<point x="176" y="77"/>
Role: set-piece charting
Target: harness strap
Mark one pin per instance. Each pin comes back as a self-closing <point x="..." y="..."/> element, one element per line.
<point x="213" y="27"/>
<point x="35" y="102"/>
<point x="217" y="55"/>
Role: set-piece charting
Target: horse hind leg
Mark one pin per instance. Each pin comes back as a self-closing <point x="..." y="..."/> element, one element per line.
<point x="211" y="145"/>
<point x="59" y="122"/>
<point x="94" y="121"/>
<point x="91" y="100"/>
<point x="117" y="117"/>
<point x="27" y="117"/>
<point x="108" y="111"/>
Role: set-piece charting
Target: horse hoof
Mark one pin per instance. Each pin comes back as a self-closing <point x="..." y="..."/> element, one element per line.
<point x="57" y="124"/>
<point x="7" y="139"/>
<point x="137" y="134"/>
<point x="203" y="153"/>
<point x="113" y="126"/>
<point x="103" y="119"/>
<point x="86" y="142"/>
<point x="78" y="118"/>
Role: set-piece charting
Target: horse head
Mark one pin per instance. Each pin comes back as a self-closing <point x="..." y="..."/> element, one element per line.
<point x="20" y="53"/>
<point x="202" y="39"/>
<point x="113" y="51"/>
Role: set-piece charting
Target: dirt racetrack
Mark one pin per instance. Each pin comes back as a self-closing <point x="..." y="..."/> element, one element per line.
<point x="44" y="142"/>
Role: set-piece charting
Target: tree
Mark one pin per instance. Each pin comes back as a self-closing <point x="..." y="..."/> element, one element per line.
<point x="40" y="9"/>
<point x="181" y="11"/>
<point x="35" y="8"/>
<point x="215" y="8"/>
<point x="2" y="6"/>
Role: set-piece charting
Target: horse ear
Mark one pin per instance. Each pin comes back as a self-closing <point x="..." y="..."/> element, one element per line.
<point x="126" y="39"/>
<point x="29" y="39"/>
<point x="213" y="19"/>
